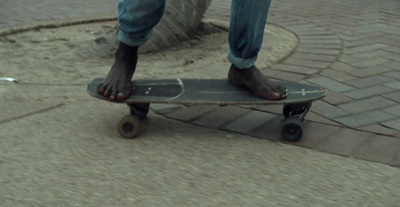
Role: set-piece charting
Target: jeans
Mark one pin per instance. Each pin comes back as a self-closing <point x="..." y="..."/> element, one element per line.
<point x="137" y="19"/>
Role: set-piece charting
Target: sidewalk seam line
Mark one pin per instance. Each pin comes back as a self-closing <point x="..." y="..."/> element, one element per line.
<point x="33" y="113"/>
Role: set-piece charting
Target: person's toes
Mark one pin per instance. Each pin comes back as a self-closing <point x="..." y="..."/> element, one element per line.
<point x="276" y="96"/>
<point x="100" y="88"/>
<point x="268" y="95"/>
<point x="284" y="95"/>
<point x="275" y="86"/>
<point x="122" y="96"/>
<point x="113" y="96"/>
<point x="281" y="89"/>
<point x="107" y="92"/>
<point x="125" y="91"/>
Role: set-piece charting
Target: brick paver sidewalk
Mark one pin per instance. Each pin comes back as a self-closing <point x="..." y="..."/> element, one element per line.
<point x="352" y="48"/>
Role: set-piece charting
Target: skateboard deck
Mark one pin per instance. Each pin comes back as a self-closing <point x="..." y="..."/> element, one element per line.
<point x="207" y="91"/>
<point x="211" y="91"/>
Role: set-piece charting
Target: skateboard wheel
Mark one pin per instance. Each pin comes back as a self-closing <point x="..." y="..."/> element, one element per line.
<point x="292" y="130"/>
<point x="129" y="126"/>
<point x="140" y="110"/>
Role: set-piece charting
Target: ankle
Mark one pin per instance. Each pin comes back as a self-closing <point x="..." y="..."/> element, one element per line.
<point x="237" y="68"/>
<point x="126" y="52"/>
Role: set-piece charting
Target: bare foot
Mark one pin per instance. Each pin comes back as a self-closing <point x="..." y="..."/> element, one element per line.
<point x="257" y="83"/>
<point x="117" y="85"/>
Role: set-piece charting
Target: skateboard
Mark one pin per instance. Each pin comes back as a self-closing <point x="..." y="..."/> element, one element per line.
<point x="211" y="91"/>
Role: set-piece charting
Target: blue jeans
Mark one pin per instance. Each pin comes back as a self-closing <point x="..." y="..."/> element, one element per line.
<point x="137" y="19"/>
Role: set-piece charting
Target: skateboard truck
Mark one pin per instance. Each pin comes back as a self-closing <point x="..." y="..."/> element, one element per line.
<point x="139" y="110"/>
<point x="292" y="130"/>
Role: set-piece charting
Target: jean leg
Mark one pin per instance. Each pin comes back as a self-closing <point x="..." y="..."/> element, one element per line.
<point x="137" y="19"/>
<point x="246" y="32"/>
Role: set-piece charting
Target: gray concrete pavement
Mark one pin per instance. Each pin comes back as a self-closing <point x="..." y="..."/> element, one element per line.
<point x="72" y="155"/>
<point x="59" y="147"/>
<point x="14" y="13"/>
